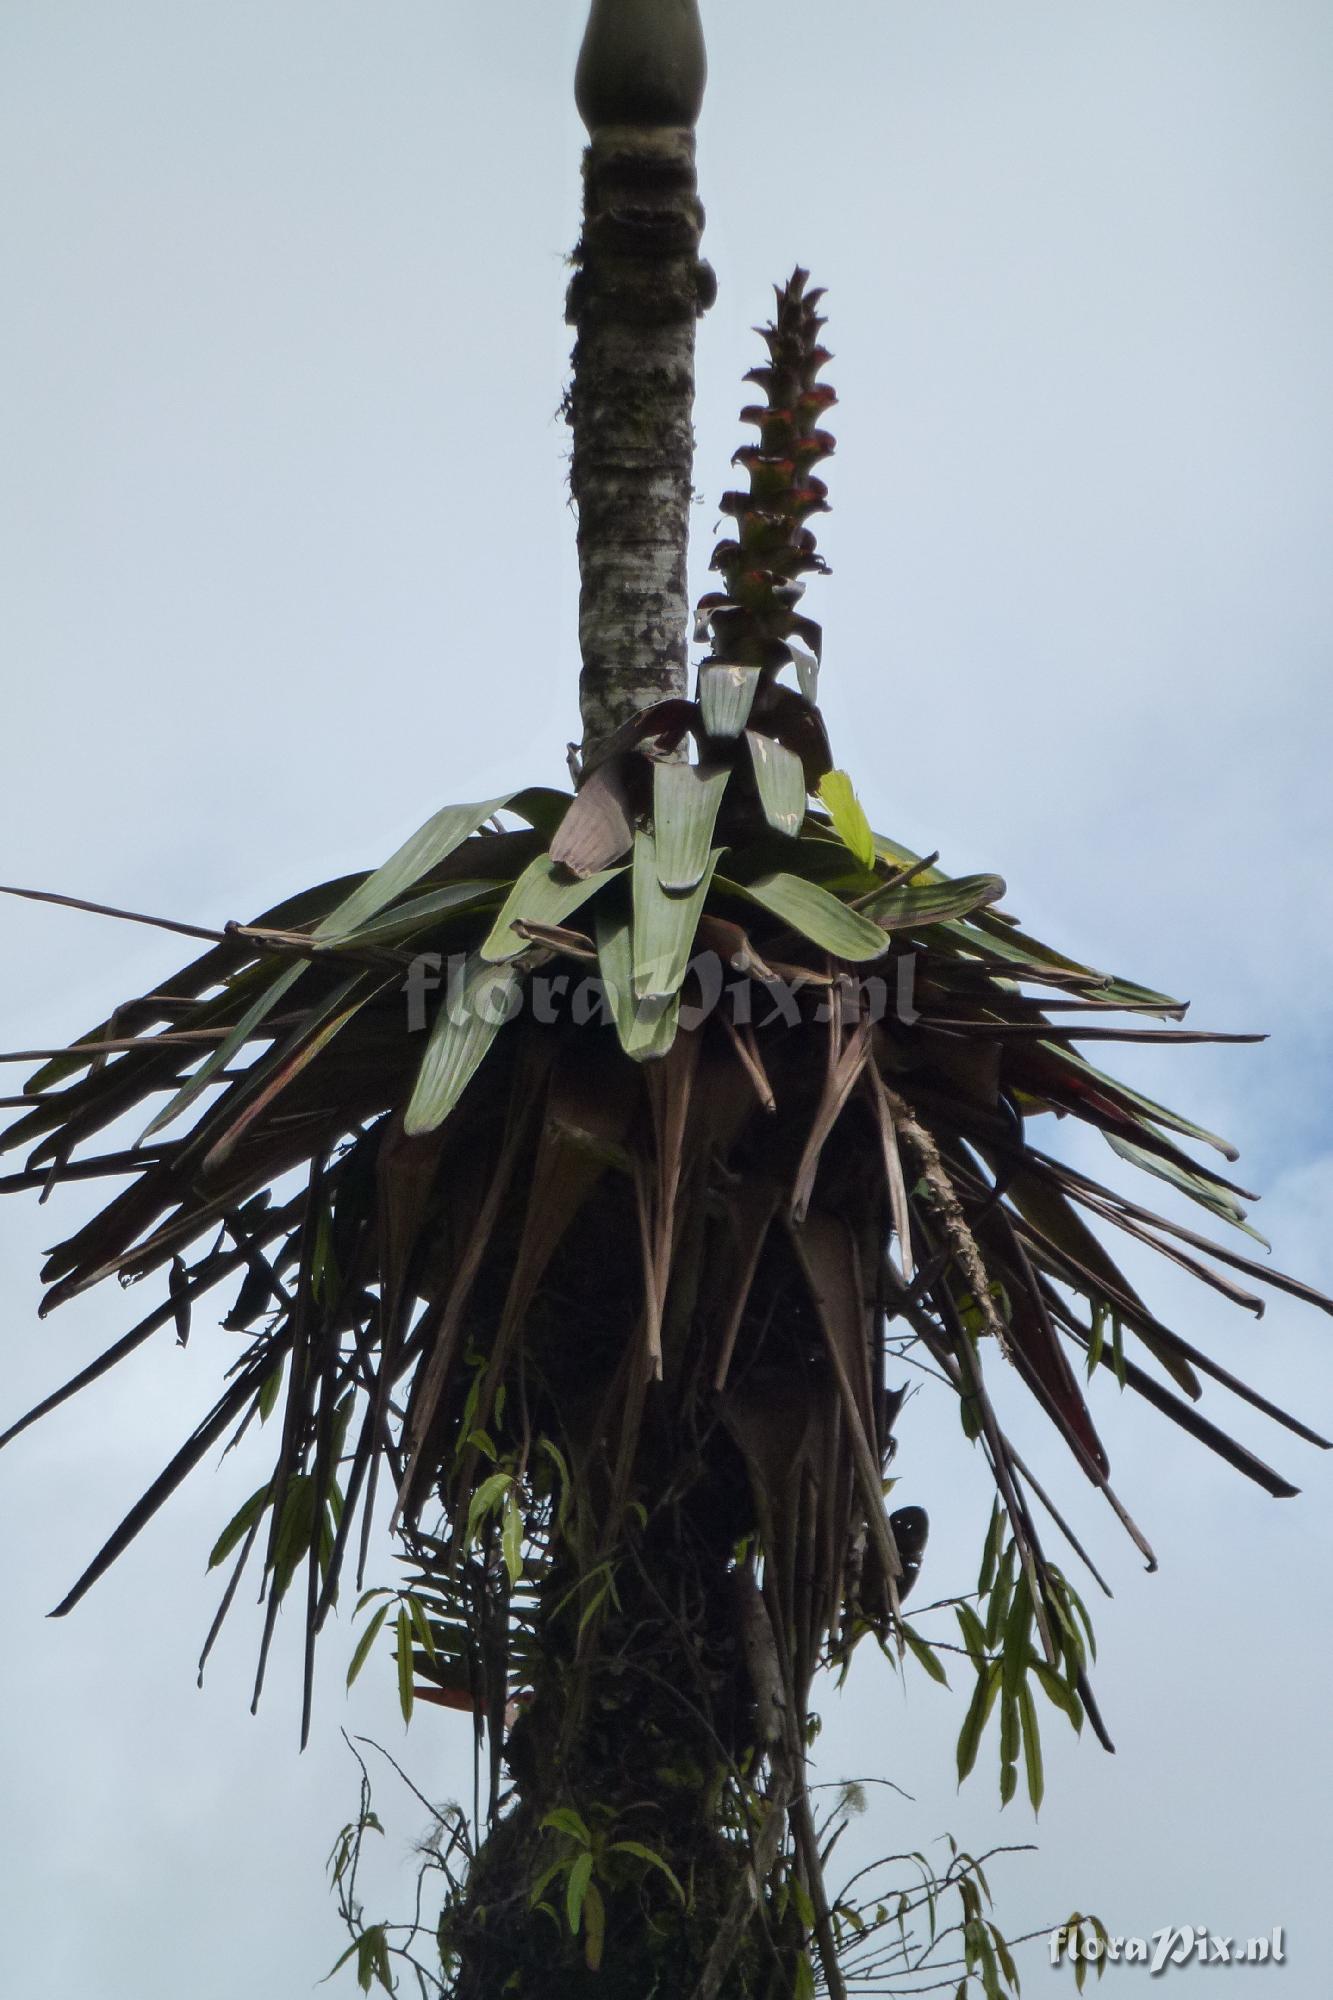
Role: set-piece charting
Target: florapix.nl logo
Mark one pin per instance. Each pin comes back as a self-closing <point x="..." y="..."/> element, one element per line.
<point x="1083" y="1941"/>
<point x="495" y="994"/>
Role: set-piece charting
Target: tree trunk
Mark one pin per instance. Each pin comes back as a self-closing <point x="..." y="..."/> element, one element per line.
<point x="637" y="292"/>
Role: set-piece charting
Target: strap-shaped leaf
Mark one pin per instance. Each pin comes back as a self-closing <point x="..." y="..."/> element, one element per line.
<point x="1200" y="1186"/>
<point x="726" y="696"/>
<point x="909" y="907"/>
<point x="779" y="777"/>
<point x="543" y="894"/>
<point x="685" y="807"/>
<point x="426" y="849"/>
<point x="816" y="915"/>
<point x="664" y="926"/>
<point x="218" y="1058"/>
<point x="848" y="816"/>
<point x="472" y="1012"/>
<point x="647" y="1028"/>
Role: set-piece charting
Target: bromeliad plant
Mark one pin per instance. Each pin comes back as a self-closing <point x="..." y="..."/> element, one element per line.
<point x="724" y="1103"/>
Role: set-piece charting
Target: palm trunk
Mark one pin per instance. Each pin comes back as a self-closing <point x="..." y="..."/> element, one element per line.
<point x="638" y="290"/>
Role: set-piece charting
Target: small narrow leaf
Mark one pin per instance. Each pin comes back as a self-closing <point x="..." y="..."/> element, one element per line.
<point x="990" y="1555"/>
<point x="580" y="1875"/>
<point x="978" y="1714"/>
<point x="365" y="1642"/>
<point x="239" y="1525"/>
<point x="1031" y="1746"/>
<point x="974" y="1638"/>
<point x="511" y="1538"/>
<point x="405" y="1691"/>
<point x="925" y="1654"/>
<point x="594" y="1928"/>
<point x="487" y="1497"/>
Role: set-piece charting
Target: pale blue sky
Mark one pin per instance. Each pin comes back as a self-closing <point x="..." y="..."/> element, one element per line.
<point x="286" y="562"/>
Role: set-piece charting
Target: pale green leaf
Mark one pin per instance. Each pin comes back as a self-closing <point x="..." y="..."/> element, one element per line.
<point x="817" y="915"/>
<point x="779" y="777"/>
<point x="472" y="1013"/>
<point x="430" y="845"/>
<point x="646" y="1028"/>
<point x="685" y="807"/>
<point x="726" y="696"/>
<point x="912" y="906"/>
<point x="544" y="894"/>
<point x="664" y="926"/>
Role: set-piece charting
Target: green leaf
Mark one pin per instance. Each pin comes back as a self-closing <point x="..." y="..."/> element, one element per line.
<point x="1198" y="1186"/>
<point x="685" y="807"/>
<point x="664" y="926"/>
<point x="220" y="1057"/>
<point x="1017" y="1648"/>
<point x="594" y="1928"/>
<point x="422" y="1626"/>
<point x="563" y="1819"/>
<point x="1004" y="1955"/>
<point x="486" y="1499"/>
<point x="543" y="894"/>
<point x="811" y="910"/>
<point x="990" y="1555"/>
<point x="1009" y="1746"/>
<point x="405" y="1689"/>
<point x="779" y="777"/>
<point x="646" y="1028"/>
<point x="726" y="696"/>
<point x="998" y="1609"/>
<point x="366" y="1641"/>
<point x="973" y="1636"/>
<point x="467" y="1023"/>
<point x="925" y="1654"/>
<point x="838" y="797"/>
<point x="978" y="1714"/>
<point x="295" y="1529"/>
<point x="580" y="1875"/>
<point x="804" y="1985"/>
<point x="268" y="1389"/>
<point x="511" y="1538"/>
<point x="647" y="1854"/>
<point x="372" y="1959"/>
<point x="1031" y="1746"/>
<point x="912" y="906"/>
<point x="1059" y="1692"/>
<point x="239" y="1525"/>
<point x="430" y="845"/>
